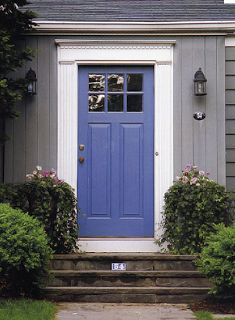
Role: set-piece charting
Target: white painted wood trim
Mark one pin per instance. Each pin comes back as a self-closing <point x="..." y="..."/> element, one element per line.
<point x="163" y="139"/>
<point x="67" y="123"/>
<point x="118" y="245"/>
<point x="150" y="28"/>
<point x="230" y="42"/>
<point x="160" y="56"/>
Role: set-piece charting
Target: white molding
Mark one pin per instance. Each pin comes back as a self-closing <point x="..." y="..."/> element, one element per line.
<point x="134" y="27"/>
<point x="160" y="56"/>
<point x="229" y="1"/>
<point x="67" y="123"/>
<point x="162" y="44"/>
<point x="230" y="42"/>
<point x="118" y="245"/>
<point x="163" y="138"/>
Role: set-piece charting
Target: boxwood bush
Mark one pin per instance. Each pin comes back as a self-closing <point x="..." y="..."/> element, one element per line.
<point x="24" y="253"/>
<point x="52" y="201"/>
<point x="217" y="260"/>
<point x="193" y="205"/>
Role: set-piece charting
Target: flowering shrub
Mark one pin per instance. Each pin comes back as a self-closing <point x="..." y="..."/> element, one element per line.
<point x="193" y="206"/>
<point x="40" y="174"/>
<point x="191" y="175"/>
<point x="53" y="202"/>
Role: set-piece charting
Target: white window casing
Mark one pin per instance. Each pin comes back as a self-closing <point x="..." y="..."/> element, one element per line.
<point x="159" y="54"/>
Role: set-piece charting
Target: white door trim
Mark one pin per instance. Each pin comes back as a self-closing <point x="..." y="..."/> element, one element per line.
<point x="160" y="56"/>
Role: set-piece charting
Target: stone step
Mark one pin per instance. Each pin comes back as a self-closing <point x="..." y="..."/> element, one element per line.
<point x="134" y="261"/>
<point x="75" y="278"/>
<point x="126" y="294"/>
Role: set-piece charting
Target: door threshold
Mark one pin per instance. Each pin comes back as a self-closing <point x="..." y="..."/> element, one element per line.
<point x="118" y="245"/>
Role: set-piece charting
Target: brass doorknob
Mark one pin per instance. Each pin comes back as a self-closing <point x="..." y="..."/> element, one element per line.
<point x="81" y="159"/>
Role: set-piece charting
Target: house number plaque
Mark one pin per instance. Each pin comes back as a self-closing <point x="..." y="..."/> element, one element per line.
<point x="116" y="266"/>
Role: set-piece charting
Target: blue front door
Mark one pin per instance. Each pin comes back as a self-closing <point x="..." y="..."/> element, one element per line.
<point x="115" y="151"/>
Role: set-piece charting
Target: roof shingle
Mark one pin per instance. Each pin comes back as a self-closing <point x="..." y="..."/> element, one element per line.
<point x="132" y="10"/>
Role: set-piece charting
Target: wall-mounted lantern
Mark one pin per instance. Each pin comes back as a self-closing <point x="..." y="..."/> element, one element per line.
<point x="31" y="79"/>
<point x="199" y="83"/>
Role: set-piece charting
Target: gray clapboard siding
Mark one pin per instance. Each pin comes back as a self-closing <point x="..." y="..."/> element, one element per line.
<point x="229" y="68"/>
<point x="195" y="142"/>
<point x="230" y="118"/>
<point x="230" y="155"/>
<point x="33" y="134"/>
<point x="230" y="169"/>
<point x="230" y="112"/>
<point x="230" y="141"/>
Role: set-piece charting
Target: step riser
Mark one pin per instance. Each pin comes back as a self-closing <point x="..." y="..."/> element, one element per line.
<point x="136" y="265"/>
<point x="88" y="278"/>
<point x="121" y="281"/>
<point x="126" y="298"/>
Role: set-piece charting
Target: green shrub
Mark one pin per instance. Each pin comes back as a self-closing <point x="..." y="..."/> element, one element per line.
<point x="193" y="205"/>
<point x="52" y="201"/>
<point x="8" y="193"/>
<point x="217" y="260"/>
<point x="24" y="252"/>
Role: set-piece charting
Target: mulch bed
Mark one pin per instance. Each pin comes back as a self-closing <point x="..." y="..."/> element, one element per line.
<point x="215" y="305"/>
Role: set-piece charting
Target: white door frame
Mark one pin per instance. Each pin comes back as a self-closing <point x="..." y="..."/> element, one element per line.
<point x="159" y="54"/>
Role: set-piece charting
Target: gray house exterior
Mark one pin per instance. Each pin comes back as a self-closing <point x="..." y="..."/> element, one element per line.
<point x="192" y="34"/>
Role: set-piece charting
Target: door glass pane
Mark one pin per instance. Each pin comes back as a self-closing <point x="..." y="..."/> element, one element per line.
<point x="115" y="102"/>
<point x="134" y="82"/>
<point x="96" y="82"/>
<point x="96" y="102"/>
<point x="134" y="103"/>
<point x="115" y="82"/>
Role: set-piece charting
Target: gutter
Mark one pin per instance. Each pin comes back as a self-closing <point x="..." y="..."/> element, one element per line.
<point x="137" y="28"/>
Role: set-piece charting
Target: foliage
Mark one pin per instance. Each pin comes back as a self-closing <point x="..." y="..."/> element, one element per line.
<point x="8" y="192"/>
<point x="25" y="309"/>
<point x="24" y="252"/>
<point x="52" y="201"/>
<point x="193" y="205"/>
<point x="203" y="315"/>
<point x="217" y="259"/>
<point x="13" y="23"/>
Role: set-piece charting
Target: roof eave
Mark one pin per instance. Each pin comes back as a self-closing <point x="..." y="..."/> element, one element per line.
<point x="69" y="27"/>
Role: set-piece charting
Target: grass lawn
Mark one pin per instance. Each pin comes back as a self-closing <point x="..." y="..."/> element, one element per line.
<point x="204" y="315"/>
<point x="27" y="310"/>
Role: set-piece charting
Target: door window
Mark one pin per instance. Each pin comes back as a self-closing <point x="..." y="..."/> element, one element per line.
<point x="114" y="92"/>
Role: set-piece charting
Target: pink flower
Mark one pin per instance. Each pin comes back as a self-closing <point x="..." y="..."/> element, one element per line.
<point x="185" y="180"/>
<point x="194" y="180"/>
<point x="187" y="168"/>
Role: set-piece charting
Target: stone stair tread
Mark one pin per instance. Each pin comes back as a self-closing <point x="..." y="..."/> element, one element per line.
<point x="111" y="290"/>
<point x="150" y="273"/>
<point x="124" y="256"/>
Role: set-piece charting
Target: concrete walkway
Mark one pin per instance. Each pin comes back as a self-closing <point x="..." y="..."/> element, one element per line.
<point x="103" y="311"/>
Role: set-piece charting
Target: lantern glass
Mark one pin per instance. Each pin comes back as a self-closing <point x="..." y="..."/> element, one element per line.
<point x="31" y="89"/>
<point x="200" y="88"/>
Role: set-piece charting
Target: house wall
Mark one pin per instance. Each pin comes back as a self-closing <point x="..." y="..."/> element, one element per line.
<point x="34" y="134"/>
<point x="230" y="117"/>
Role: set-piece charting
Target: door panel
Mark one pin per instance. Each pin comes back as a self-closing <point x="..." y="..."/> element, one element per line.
<point x="115" y="180"/>
<point x="99" y="170"/>
<point x="131" y="170"/>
